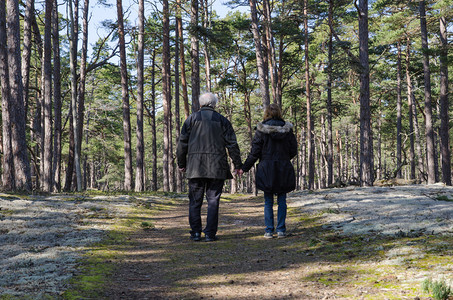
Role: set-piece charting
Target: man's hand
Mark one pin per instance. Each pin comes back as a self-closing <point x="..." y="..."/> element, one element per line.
<point x="182" y="170"/>
<point x="239" y="172"/>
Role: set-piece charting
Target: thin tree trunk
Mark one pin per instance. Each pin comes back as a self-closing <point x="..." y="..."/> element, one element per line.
<point x="195" y="56"/>
<point x="366" y="142"/>
<point x="26" y="51"/>
<point x="166" y="96"/>
<point x="73" y="65"/>
<point x="82" y="89"/>
<point x="125" y="96"/>
<point x="47" y="103"/>
<point x="398" y="112"/>
<point x="444" y="104"/>
<point x="179" y="175"/>
<point x="262" y="74"/>
<point x="8" y="181"/>
<point x="57" y="101"/>
<point x="310" y="129"/>
<point x="271" y="49"/>
<point x="153" y="121"/>
<point x="329" y="99"/>
<point x="429" y="132"/>
<point x="206" y="25"/>
<point x="182" y="59"/>
<point x="140" y="151"/>
<point x="18" y="141"/>
<point x="411" y="116"/>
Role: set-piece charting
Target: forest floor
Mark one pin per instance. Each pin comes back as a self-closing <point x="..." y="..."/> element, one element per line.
<point x="350" y="243"/>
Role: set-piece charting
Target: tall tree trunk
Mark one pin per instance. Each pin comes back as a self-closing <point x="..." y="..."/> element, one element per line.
<point x="271" y="49"/>
<point x="207" y="58"/>
<point x="182" y="59"/>
<point x="179" y="175"/>
<point x="47" y="103"/>
<point x="398" y="112"/>
<point x="74" y="16"/>
<point x="140" y="151"/>
<point x="411" y="116"/>
<point x="166" y="95"/>
<point x="195" y="56"/>
<point x="329" y="99"/>
<point x="82" y="88"/>
<point x="153" y="121"/>
<point x="26" y="51"/>
<point x="366" y="142"/>
<point x="125" y="96"/>
<point x="444" y="104"/>
<point x="429" y="132"/>
<point x="56" y="169"/>
<point x="18" y="141"/>
<point x="310" y="129"/>
<point x="262" y="74"/>
<point x="8" y="181"/>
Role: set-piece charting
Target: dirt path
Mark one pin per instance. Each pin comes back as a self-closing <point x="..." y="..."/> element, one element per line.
<point x="311" y="263"/>
<point x="165" y="264"/>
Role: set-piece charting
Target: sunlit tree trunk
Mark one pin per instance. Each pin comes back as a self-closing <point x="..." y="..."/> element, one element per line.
<point x="47" y="103"/>
<point x="444" y="104"/>
<point x="310" y="128"/>
<point x="125" y="96"/>
<point x="140" y="151"/>
<point x="366" y="142"/>
<point x="179" y="175"/>
<point x="410" y="114"/>
<point x="57" y="100"/>
<point x="398" y="113"/>
<point x="262" y="74"/>
<point x="166" y="96"/>
<point x="429" y="132"/>
<point x="182" y="59"/>
<point x="271" y="49"/>
<point x="26" y="50"/>
<point x="329" y="155"/>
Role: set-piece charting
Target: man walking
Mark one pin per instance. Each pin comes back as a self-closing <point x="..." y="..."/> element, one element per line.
<point x="202" y="153"/>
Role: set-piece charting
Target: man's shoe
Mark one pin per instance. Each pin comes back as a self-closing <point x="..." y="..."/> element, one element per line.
<point x="210" y="238"/>
<point x="268" y="235"/>
<point x="281" y="235"/>
<point x="195" y="236"/>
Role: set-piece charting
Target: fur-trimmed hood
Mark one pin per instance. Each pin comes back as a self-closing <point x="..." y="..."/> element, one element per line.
<point x="275" y="131"/>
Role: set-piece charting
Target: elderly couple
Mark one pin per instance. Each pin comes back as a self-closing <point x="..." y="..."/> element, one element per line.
<point x="205" y="137"/>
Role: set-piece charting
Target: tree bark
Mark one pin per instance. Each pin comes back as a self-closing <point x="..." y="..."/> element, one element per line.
<point x="262" y="74"/>
<point x="56" y="169"/>
<point x="310" y="129"/>
<point x="444" y="104"/>
<point x="182" y="59"/>
<point x="271" y="50"/>
<point x="366" y="142"/>
<point x="429" y="132"/>
<point x="8" y="181"/>
<point x="398" y="112"/>
<point x="410" y="114"/>
<point x="140" y="151"/>
<point x="329" y="99"/>
<point x="195" y="56"/>
<point x="125" y="96"/>
<point x="166" y="96"/>
<point x="153" y="121"/>
<point x="47" y="103"/>
<point x="26" y="51"/>
<point x="18" y="141"/>
<point x="207" y="58"/>
<point x="179" y="175"/>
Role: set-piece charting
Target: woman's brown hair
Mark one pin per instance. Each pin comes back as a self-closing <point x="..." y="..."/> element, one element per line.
<point x="272" y="111"/>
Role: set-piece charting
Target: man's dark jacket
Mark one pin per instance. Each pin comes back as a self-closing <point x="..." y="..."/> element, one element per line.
<point x="202" y="145"/>
<point x="274" y="144"/>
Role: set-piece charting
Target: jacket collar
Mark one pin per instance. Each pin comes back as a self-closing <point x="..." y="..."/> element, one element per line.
<point x="274" y="129"/>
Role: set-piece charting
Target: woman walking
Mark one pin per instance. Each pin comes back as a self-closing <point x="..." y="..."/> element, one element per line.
<point x="274" y="144"/>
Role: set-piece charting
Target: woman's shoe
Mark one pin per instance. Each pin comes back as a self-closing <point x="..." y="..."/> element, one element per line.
<point x="268" y="235"/>
<point x="281" y="234"/>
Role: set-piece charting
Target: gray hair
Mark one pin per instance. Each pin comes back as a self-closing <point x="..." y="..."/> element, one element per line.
<point x="208" y="99"/>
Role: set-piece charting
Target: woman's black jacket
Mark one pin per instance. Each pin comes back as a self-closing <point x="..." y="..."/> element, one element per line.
<point x="274" y="144"/>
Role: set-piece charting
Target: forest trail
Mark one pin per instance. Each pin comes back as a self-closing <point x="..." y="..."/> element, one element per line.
<point x="313" y="262"/>
<point x="164" y="263"/>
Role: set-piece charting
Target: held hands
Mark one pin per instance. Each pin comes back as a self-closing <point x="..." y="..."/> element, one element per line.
<point x="182" y="170"/>
<point x="239" y="172"/>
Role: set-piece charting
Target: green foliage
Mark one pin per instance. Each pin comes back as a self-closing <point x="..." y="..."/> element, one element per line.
<point x="439" y="288"/>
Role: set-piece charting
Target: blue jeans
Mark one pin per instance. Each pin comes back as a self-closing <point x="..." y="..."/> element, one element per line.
<point x="269" y="212"/>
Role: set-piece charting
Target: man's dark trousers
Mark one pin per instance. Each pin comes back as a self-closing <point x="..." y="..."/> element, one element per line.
<point x="213" y="189"/>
